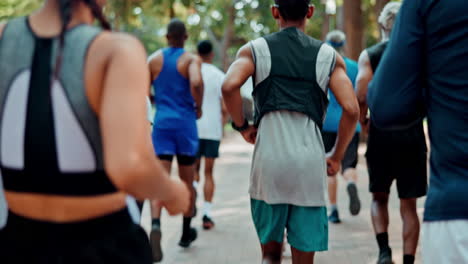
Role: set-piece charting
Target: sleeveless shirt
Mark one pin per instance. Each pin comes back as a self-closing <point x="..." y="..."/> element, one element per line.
<point x="50" y="138"/>
<point x="174" y="102"/>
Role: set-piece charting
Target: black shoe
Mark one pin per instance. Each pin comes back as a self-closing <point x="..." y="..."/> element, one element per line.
<point x="385" y="257"/>
<point x="207" y="223"/>
<point x="334" y="217"/>
<point x="354" y="202"/>
<point x="188" y="238"/>
<point x="155" y="240"/>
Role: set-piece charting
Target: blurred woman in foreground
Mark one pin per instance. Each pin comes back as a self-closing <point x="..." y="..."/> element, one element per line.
<point x="74" y="139"/>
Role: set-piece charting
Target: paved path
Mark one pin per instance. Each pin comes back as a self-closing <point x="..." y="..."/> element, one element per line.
<point x="234" y="240"/>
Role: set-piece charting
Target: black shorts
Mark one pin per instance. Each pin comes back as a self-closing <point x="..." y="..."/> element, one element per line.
<point x="350" y="159"/>
<point x="400" y="156"/>
<point x="110" y="239"/>
<point x="208" y="148"/>
<point x="181" y="159"/>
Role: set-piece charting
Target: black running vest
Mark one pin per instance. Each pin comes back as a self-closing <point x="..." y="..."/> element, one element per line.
<point x="292" y="82"/>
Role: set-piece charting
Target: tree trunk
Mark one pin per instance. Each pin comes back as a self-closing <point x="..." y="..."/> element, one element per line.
<point x="217" y="45"/>
<point x="353" y="26"/>
<point x="171" y="9"/>
<point x="325" y="25"/>
<point x="228" y="35"/>
<point x="339" y="18"/>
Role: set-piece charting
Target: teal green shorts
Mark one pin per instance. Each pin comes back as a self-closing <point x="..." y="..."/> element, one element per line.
<point x="307" y="226"/>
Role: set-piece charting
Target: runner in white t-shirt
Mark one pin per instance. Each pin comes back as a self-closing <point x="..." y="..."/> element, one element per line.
<point x="210" y="126"/>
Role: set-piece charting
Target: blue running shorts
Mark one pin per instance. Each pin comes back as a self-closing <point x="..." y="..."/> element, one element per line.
<point x="182" y="141"/>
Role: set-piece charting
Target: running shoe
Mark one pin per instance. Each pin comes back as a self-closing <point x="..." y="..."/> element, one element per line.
<point x="207" y="223"/>
<point x="334" y="217"/>
<point x="155" y="240"/>
<point x="385" y="257"/>
<point x="187" y="239"/>
<point x="354" y="202"/>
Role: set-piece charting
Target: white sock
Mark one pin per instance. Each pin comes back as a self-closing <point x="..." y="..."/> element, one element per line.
<point x="195" y="184"/>
<point x="207" y="208"/>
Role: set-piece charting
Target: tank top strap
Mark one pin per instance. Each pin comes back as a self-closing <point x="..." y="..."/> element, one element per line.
<point x="172" y="55"/>
<point x="20" y="51"/>
<point x="77" y="43"/>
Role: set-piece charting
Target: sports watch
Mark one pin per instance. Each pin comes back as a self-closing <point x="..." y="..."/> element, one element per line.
<point x="242" y="128"/>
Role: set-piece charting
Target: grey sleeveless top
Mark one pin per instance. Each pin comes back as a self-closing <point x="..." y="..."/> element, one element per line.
<point x="50" y="138"/>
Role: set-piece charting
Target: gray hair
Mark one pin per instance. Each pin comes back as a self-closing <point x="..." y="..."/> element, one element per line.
<point x="388" y="15"/>
<point x="336" y="36"/>
<point x="336" y="39"/>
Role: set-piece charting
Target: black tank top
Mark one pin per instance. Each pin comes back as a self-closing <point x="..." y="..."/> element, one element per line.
<point x="49" y="136"/>
<point x="375" y="54"/>
<point x="411" y="138"/>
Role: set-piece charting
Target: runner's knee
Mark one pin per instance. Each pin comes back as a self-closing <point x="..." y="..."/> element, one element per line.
<point x="380" y="197"/>
<point x="272" y="251"/>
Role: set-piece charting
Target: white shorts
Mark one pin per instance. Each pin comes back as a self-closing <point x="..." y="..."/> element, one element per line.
<point x="445" y="242"/>
<point x="3" y="206"/>
<point x="133" y="209"/>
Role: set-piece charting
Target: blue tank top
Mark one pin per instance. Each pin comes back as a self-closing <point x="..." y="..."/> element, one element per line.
<point x="334" y="111"/>
<point x="175" y="107"/>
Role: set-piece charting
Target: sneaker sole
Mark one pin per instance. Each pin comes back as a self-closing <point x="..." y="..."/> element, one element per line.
<point x="354" y="202"/>
<point x="208" y="226"/>
<point x="385" y="261"/>
<point x="155" y="239"/>
<point x="186" y="244"/>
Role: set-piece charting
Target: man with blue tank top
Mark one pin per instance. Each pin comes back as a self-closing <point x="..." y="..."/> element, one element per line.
<point x="337" y="39"/>
<point x="178" y="85"/>
<point x="292" y="73"/>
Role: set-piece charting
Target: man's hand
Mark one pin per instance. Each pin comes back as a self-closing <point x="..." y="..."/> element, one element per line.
<point x="363" y="79"/>
<point x="365" y="123"/>
<point x="333" y="165"/>
<point x="199" y="112"/>
<point x="250" y="134"/>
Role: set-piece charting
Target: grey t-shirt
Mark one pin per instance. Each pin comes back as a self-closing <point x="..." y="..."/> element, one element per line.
<point x="289" y="165"/>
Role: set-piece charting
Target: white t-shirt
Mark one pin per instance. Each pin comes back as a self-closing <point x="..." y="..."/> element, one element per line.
<point x="149" y="110"/>
<point x="210" y="124"/>
<point x="3" y="206"/>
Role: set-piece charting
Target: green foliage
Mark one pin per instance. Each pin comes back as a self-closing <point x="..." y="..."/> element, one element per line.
<point x="15" y="8"/>
<point x="205" y="19"/>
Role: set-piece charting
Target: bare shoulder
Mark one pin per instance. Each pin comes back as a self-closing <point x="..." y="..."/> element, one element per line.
<point x="195" y="59"/>
<point x="189" y="57"/>
<point x="155" y="56"/>
<point x="112" y="43"/>
<point x="245" y="51"/>
<point x="155" y="62"/>
<point x="364" y="59"/>
<point x="127" y="43"/>
<point x="339" y="63"/>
